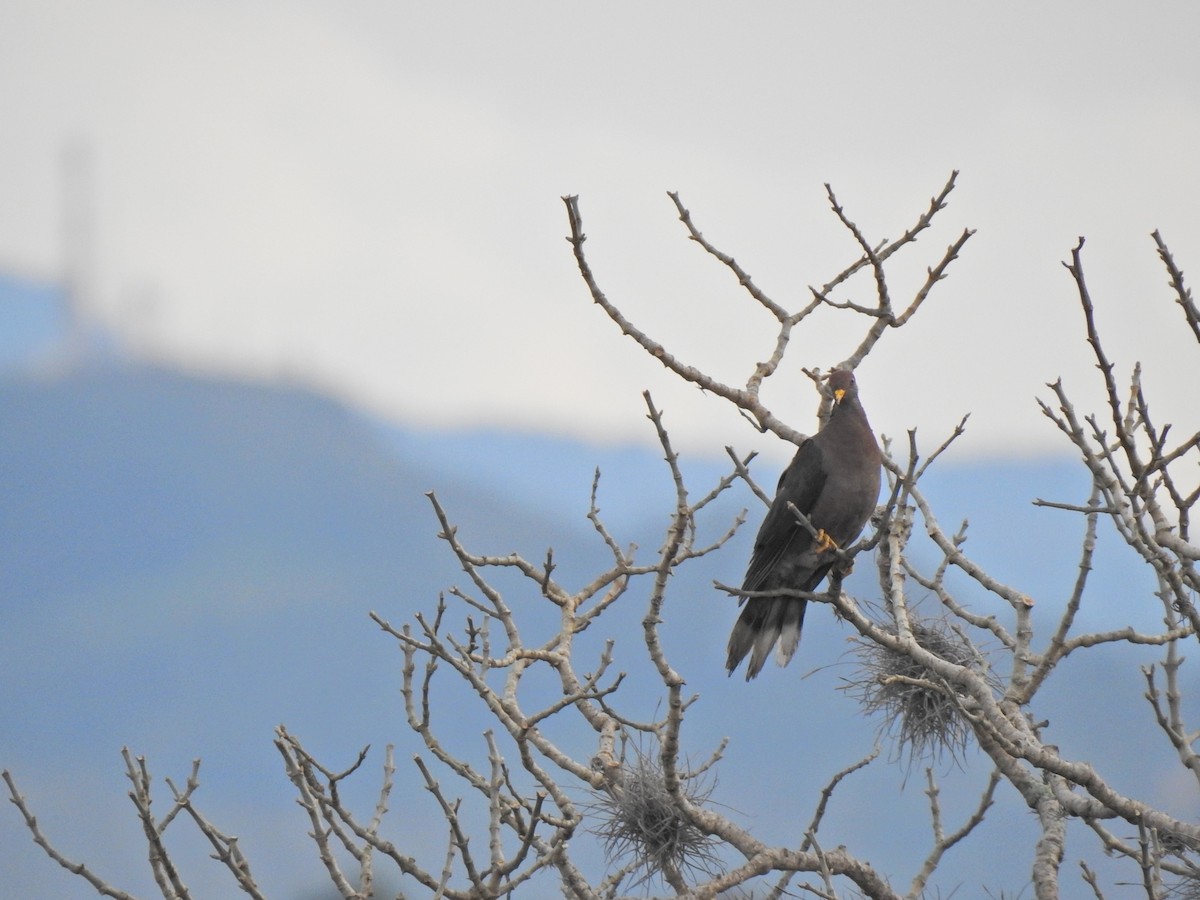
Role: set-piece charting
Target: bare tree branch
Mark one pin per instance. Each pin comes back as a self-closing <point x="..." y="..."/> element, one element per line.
<point x="946" y="654"/>
<point x="102" y="887"/>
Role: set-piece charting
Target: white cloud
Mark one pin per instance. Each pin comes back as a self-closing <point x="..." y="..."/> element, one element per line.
<point x="370" y="197"/>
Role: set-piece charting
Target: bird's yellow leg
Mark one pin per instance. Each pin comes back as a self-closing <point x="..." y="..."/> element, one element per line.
<point x="825" y="542"/>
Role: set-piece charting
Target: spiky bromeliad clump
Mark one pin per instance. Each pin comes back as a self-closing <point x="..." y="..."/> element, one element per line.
<point x="641" y="826"/>
<point x="921" y="711"/>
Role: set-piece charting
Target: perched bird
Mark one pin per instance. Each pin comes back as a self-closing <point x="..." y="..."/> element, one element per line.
<point x="834" y="481"/>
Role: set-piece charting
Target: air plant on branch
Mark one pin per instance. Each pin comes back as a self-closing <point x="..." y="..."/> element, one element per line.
<point x="641" y="825"/>
<point x="921" y="712"/>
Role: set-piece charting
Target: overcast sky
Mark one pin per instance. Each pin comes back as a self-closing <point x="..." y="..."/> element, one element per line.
<point x="365" y="196"/>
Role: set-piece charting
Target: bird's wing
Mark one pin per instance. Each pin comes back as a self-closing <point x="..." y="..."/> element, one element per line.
<point x="801" y="484"/>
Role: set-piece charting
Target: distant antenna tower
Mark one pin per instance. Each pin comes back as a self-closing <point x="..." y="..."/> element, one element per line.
<point x="78" y="244"/>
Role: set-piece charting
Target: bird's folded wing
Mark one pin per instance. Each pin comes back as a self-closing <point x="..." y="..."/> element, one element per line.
<point x="781" y="533"/>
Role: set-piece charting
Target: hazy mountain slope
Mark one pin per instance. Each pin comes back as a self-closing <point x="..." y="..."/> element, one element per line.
<point x="187" y="562"/>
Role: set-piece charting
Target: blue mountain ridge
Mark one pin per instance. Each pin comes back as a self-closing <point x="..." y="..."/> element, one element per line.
<point x="188" y="561"/>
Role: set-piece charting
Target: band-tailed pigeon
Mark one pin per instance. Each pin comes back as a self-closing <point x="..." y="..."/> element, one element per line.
<point x="834" y="481"/>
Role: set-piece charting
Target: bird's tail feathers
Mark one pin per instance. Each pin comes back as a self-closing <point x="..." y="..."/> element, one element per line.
<point x="766" y="622"/>
<point x="789" y="632"/>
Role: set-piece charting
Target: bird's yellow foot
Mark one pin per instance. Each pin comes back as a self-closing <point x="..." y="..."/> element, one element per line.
<point x="825" y="542"/>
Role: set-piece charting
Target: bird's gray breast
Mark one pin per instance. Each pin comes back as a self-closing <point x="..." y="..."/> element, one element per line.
<point x="849" y="494"/>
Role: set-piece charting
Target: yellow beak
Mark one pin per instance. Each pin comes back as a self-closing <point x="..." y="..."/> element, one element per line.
<point x="839" y="394"/>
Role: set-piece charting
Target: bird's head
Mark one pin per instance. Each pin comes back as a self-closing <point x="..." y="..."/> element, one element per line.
<point x="842" y="384"/>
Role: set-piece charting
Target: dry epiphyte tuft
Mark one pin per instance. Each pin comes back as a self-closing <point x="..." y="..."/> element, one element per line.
<point x="641" y="826"/>
<point x="922" y="712"/>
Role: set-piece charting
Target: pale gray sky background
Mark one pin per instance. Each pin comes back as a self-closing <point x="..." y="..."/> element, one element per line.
<point x="366" y="196"/>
